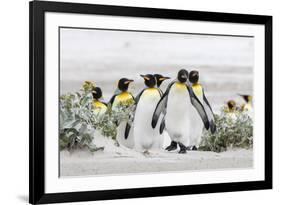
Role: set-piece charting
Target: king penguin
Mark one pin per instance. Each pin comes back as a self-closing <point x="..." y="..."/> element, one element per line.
<point x="177" y="101"/>
<point x="248" y="105"/>
<point x="124" y="99"/>
<point x="196" y="123"/>
<point x="99" y="108"/>
<point x="146" y="138"/>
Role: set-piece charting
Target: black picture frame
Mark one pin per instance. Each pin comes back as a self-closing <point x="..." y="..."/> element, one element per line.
<point x="37" y="9"/>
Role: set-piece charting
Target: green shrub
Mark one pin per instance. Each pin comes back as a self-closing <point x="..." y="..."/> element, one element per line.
<point x="234" y="130"/>
<point x="78" y="123"/>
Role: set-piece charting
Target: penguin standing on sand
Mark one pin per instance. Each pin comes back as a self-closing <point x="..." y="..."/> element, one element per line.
<point x="146" y="138"/>
<point x="122" y="99"/>
<point x="177" y="101"/>
<point x="196" y="123"/>
<point x="159" y="80"/>
<point x="99" y="108"/>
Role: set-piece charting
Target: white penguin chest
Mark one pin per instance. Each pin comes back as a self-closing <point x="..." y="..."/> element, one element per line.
<point x="145" y="136"/>
<point x="148" y="102"/>
<point x="178" y="100"/>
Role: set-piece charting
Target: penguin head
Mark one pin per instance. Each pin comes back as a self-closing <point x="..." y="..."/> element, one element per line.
<point x="231" y="104"/>
<point x="149" y="80"/>
<point x="247" y="98"/>
<point x="123" y="84"/>
<point x="159" y="79"/>
<point x="194" y="76"/>
<point x="97" y="93"/>
<point x="182" y="75"/>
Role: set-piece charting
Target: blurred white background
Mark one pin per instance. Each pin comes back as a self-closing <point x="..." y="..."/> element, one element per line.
<point x="14" y="101"/>
<point x="225" y="63"/>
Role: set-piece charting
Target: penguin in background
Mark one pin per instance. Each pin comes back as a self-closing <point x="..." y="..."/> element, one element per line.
<point x="248" y="105"/>
<point x="231" y="109"/>
<point x="197" y="125"/>
<point x="159" y="80"/>
<point x="123" y="97"/>
<point x="126" y="99"/>
<point x="177" y="101"/>
<point x="99" y="108"/>
<point x="145" y="137"/>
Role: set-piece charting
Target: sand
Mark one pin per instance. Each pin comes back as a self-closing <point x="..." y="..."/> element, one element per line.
<point x="121" y="160"/>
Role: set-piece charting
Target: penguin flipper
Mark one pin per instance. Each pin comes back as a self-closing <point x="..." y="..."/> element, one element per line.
<point x="127" y="130"/>
<point x="137" y="98"/>
<point x="209" y="113"/>
<point x="199" y="107"/>
<point x="128" y="126"/>
<point x="111" y="100"/>
<point x="161" y="106"/>
<point x="162" y="126"/>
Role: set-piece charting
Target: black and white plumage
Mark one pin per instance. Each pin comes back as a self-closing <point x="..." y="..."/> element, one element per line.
<point x="145" y="137"/>
<point x="195" y="137"/>
<point x="178" y="101"/>
<point x="161" y="125"/>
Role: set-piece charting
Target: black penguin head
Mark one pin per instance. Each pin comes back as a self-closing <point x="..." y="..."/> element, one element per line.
<point x="247" y="98"/>
<point x="159" y="79"/>
<point x="97" y="93"/>
<point x="231" y="104"/>
<point x="149" y="80"/>
<point x="182" y="75"/>
<point x="123" y="84"/>
<point x="194" y="76"/>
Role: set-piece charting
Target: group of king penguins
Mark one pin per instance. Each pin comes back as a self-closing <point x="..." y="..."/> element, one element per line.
<point x="182" y="111"/>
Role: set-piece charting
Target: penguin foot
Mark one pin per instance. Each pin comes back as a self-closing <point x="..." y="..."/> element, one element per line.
<point x="172" y="146"/>
<point x="192" y="148"/>
<point x="182" y="148"/>
<point x="146" y="153"/>
<point x="116" y="143"/>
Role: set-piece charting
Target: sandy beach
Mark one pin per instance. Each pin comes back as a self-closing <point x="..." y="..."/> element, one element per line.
<point x="121" y="160"/>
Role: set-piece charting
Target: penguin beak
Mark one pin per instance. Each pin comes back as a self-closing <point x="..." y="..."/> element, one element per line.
<point x="129" y="81"/>
<point x="144" y="77"/>
<point x="164" y="78"/>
